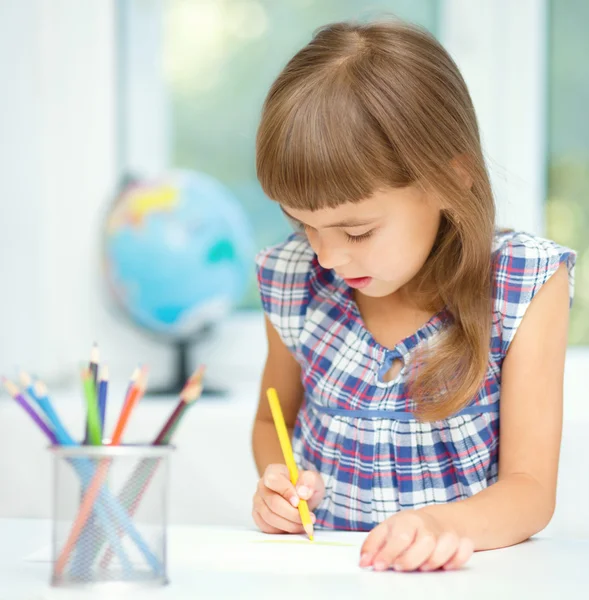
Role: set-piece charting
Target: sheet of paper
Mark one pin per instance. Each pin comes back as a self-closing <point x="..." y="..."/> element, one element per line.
<point x="254" y="552"/>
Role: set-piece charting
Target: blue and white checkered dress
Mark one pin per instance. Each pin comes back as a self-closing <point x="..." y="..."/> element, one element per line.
<point x="357" y="430"/>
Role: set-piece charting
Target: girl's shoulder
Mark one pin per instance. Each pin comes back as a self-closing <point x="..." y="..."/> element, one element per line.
<point x="522" y="264"/>
<point x="290" y="259"/>
<point x="288" y="276"/>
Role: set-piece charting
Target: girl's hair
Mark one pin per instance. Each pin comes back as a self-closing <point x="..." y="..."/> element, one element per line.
<point x="368" y="106"/>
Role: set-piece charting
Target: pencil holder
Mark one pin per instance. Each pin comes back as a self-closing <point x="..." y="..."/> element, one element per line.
<point x="110" y="515"/>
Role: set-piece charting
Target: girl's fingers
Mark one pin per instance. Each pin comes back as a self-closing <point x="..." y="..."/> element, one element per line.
<point x="446" y="547"/>
<point x="399" y="541"/>
<point x="310" y="487"/>
<point x="375" y="540"/>
<point x="418" y="552"/>
<point x="276" y="479"/>
<point x="274" y="520"/>
<point x="462" y="555"/>
<point x="262" y="525"/>
<point x="279" y="506"/>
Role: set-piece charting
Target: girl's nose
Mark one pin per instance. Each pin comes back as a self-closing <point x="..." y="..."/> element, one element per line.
<point x="331" y="257"/>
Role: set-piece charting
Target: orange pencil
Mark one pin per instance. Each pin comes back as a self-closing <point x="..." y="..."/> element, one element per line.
<point x="134" y="396"/>
<point x="99" y="477"/>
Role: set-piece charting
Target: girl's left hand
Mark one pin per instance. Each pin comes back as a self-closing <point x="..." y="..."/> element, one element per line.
<point x="414" y="540"/>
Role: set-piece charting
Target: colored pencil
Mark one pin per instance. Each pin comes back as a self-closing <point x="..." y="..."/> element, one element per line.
<point x="133" y="398"/>
<point x="93" y="437"/>
<point x="93" y="417"/>
<point x="12" y="389"/>
<point x="188" y="395"/>
<point x="39" y="393"/>
<point x="102" y="396"/>
<point x="132" y="381"/>
<point x="286" y="447"/>
<point x="95" y="487"/>
<point x="93" y="368"/>
<point x="94" y="362"/>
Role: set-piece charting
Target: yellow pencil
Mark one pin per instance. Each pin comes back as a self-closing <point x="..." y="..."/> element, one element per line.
<point x="289" y="456"/>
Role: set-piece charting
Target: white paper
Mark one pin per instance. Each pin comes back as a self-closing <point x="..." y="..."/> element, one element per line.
<point x="254" y="552"/>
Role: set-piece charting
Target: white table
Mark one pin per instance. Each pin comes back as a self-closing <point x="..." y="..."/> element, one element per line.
<point x="540" y="568"/>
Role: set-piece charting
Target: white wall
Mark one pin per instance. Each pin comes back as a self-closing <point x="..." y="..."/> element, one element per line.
<point x="21" y="186"/>
<point x="56" y="107"/>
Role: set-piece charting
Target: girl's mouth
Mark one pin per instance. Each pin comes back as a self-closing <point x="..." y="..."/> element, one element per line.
<point x="359" y="282"/>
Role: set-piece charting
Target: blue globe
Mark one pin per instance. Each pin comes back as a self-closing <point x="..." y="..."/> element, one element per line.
<point x="177" y="253"/>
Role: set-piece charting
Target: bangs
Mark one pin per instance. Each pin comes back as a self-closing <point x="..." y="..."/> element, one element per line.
<point x="310" y="157"/>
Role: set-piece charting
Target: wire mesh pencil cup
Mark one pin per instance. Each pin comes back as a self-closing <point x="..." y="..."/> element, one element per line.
<point x="110" y="515"/>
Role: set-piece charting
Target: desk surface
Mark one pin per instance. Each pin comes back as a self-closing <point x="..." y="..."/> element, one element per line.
<point x="207" y="562"/>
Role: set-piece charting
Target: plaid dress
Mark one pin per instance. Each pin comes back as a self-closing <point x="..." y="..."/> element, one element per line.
<point x="357" y="430"/>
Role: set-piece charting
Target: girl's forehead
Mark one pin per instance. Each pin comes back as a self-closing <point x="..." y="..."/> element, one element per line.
<point x="344" y="215"/>
<point x="349" y="214"/>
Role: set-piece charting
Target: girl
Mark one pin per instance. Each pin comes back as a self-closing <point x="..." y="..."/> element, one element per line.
<point x="402" y="327"/>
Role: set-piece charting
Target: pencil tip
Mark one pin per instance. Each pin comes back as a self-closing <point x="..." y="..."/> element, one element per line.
<point x="40" y="388"/>
<point x="9" y="386"/>
<point x="25" y="378"/>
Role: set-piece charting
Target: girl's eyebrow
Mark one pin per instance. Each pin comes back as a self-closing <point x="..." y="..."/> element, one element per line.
<point x="344" y="223"/>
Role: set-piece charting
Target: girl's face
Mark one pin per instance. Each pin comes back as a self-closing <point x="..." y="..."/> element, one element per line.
<point x="377" y="245"/>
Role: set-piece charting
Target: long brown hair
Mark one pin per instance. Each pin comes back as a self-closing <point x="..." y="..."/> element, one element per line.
<point x="366" y="106"/>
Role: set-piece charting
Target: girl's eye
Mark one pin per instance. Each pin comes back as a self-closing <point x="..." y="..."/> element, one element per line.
<point x="358" y="238"/>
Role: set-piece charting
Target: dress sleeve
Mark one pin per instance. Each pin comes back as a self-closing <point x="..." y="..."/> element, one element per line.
<point x="523" y="264"/>
<point x="283" y="280"/>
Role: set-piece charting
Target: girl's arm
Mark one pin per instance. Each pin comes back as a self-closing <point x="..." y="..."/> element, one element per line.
<point x="283" y="373"/>
<point x="522" y="501"/>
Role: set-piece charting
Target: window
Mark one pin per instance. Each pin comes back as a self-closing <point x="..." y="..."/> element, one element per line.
<point x="219" y="60"/>
<point x="568" y="151"/>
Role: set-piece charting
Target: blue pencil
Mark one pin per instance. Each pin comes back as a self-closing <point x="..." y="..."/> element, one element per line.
<point x="39" y="394"/>
<point x="102" y="396"/>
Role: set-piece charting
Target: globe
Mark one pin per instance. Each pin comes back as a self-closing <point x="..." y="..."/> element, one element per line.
<point x="177" y="253"/>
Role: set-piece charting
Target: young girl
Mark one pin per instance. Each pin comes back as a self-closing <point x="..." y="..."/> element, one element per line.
<point x="402" y="326"/>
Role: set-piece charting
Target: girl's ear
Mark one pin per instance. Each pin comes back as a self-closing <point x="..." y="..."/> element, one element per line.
<point x="460" y="165"/>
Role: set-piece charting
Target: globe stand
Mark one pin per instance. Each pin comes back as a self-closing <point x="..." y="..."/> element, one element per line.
<point x="181" y="374"/>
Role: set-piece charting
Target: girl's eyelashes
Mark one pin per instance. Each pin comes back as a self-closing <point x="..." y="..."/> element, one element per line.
<point x="304" y="228"/>
<point x="354" y="239"/>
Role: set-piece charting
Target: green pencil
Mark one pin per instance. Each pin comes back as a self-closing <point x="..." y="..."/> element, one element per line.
<point x="94" y="429"/>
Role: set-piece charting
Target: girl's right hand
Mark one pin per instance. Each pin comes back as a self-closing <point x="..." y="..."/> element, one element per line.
<point x="276" y="499"/>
